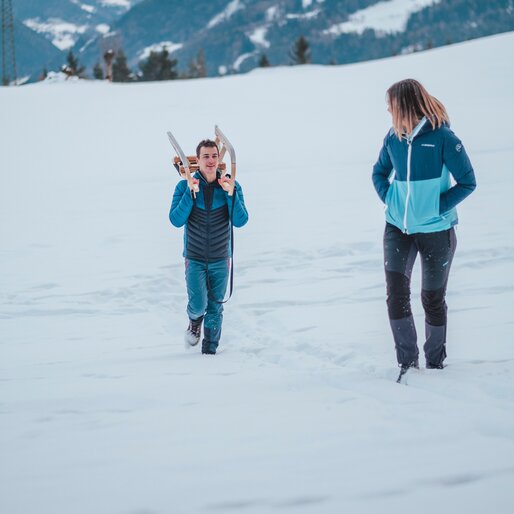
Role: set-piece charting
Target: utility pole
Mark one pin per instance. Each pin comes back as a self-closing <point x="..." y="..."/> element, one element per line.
<point x="8" y="50"/>
<point x="110" y="45"/>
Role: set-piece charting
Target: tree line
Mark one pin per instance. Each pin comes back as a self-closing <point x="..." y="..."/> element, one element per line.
<point x="159" y="66"/>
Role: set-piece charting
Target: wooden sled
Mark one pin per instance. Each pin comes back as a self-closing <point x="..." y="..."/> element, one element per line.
<point x="188" y="165"/>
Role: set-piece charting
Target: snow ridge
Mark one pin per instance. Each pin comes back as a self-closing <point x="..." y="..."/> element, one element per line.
<point x="228" y="12"/>
<point x="384" y="17"/>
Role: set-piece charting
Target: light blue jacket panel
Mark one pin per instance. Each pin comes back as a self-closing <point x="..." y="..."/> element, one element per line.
<point x="412" y="177"/>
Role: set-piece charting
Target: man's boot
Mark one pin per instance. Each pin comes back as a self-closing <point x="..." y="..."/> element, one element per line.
<point x="193" y="332"/>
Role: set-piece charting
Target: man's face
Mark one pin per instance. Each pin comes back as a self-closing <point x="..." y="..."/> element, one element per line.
<point x="208" y="160"/>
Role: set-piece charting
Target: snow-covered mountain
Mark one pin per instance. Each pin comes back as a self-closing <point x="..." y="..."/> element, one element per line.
<point x="46" y="30"/>
<point x="235" y="34"/>
<point x="64" y="22"/>
<point x="103" y="411"/>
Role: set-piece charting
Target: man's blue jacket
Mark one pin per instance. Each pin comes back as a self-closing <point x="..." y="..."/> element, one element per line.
<point x="412" y="178"/>
<point x="207" y="218"/>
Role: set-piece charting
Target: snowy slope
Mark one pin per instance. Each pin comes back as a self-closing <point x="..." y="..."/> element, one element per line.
<point x="64" y="21"/>
<point x="383" y="17"/>
<point x="103" y="411"/>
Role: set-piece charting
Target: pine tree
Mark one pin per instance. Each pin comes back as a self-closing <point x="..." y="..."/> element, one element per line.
<point x="158" y="66"/>
<point x="197" y="67"/>
<point x="166" y="65"/>
<point x="120" y="71"/>
<point x="264" y="62"/>
<point x="300" y="52"/>
<point x="73" y="68"/>
<point x="98" y="72"/>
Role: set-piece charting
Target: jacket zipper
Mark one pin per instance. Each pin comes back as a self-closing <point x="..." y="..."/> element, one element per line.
<point x="208" y="221"/>
<point x="409" y="154"/>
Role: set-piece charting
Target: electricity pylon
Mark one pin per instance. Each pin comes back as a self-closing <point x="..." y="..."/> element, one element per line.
<point x="8" y="50"/>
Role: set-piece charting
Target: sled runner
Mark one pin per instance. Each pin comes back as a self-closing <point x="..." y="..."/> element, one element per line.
<point x="227" y="145"/>
<point x="188" y="165"/>
<point x="184" y="164"/>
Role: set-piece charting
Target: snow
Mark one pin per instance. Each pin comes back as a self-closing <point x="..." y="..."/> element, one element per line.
<point x="303" y="16"/>
<point x="272" y="13"/>
<point x="384" y="17"/>
<point x="92" y="40"/>
<point x="103" y="411"/>
<point x="103" y="28"/>
<point x="88" y="8"/>
<point x="54" y="77"/>
<point x="308" y="3"/>
<point x="242" y="58"/>
<point x="91" y="9"/>
<point x="157" y="47"/>
<point x="258" y="37"/>
<point x="227" y="13"/>
<point x="116" y="3"/>
<point x="64" y="34"/>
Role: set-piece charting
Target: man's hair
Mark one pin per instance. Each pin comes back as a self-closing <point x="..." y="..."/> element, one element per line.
<point x="206" y="143"/>
<point x="409" y="101"/>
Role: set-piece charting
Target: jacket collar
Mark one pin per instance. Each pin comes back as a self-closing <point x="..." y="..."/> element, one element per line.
<point x="423" y="126"/>
<point x="200" y="177"/>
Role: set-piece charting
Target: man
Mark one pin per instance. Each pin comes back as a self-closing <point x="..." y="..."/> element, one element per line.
<point x="207" y="216"/>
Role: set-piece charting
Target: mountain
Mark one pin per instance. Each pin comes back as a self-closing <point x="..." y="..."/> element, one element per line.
<point x="235" y="34"/>
<point x="64" y="22"/>
<point x="34" y="53"/>
<point x="45" y="30"/>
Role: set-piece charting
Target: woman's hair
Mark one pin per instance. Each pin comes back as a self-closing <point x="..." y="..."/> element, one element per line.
<point x="409" y="101"/>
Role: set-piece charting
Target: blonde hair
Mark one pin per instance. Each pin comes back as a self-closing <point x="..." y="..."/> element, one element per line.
<point x="409" y="101"/>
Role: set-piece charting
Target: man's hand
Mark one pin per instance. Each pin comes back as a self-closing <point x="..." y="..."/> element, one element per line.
<point x="195" y="185"/>
<point x="226" y="183"/>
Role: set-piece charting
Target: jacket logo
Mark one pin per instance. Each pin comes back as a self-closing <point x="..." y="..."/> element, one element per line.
<point x="426" y="144"/>
<point x="458" y="147"/>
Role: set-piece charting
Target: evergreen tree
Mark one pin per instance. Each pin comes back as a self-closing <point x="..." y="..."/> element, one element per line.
<point x="158" y="66"/>
<point x="98" y="72"/>
<point x="72" y="66"/>
<point x="197" y="67"/>
<point x="120" y="71"/>
<point x="300" y="52"/>
<point x="264" y="62"/>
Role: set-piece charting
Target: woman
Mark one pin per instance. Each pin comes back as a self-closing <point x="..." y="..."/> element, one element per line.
<point x="412" y="178"/>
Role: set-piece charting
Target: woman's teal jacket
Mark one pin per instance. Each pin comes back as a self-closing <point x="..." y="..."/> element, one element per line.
<point x="412" y="178"/>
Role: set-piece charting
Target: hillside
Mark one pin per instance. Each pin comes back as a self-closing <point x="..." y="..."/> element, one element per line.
<point x="103" y="411"/>
<point x="235" y="34"/>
